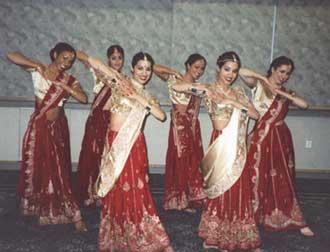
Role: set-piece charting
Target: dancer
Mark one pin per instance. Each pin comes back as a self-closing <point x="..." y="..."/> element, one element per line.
<point x="95" y="132"/>
<point x="183" y="178"/>
<point x="44" y="181"/>
<point x="271" y="154"/>
<point x="227" y="220"/>
<point x="129" y="221"/>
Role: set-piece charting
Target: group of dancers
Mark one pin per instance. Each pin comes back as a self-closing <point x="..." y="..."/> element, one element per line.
<point x="242" y="182"/>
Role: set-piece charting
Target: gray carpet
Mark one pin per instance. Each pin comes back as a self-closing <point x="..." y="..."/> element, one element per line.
<point x="19" y="233"/>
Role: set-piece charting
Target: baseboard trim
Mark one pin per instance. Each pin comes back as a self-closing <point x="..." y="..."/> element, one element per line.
<point x="323" y="173"/>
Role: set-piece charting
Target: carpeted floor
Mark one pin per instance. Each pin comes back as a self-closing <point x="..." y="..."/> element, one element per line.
<point x="19" y="233"/>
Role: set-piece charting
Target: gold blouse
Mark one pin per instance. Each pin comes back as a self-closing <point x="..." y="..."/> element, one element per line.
<point x="260" y="100"/>
<point x="177" y="97"/>
<point x="120" y="104"/>
<point x="224" y="111"/>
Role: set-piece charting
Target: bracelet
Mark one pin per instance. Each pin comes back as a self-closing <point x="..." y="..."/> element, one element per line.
<point x="148" y="108"/>
<point x="244" y="110"/>
<point x="193" y="90"/>
<point x="72" y="92"/>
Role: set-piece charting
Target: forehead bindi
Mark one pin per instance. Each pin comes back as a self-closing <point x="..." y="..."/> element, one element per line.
<point x="143" y="63"/>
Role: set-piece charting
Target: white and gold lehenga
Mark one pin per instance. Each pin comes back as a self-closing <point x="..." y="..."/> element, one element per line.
<point x="227" y="219"/>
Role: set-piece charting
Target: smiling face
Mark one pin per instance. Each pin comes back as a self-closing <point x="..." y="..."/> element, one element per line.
<point x="196" y="69"/>
<point x="281" y="74"/>
<point x="228" y="73"/>
<point x="116" y="60"/>
<point x="64" y="60"/>
<point x="142" y="71"/>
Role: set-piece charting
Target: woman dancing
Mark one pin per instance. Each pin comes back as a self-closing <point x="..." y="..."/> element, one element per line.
<point x="271" y="154"/>
<point x="227" y="221"/>
<point x="129" y="221"/>
<point x="183" y="178"/>
<point x="95" y="132"/>
<point x="44" y="181"/>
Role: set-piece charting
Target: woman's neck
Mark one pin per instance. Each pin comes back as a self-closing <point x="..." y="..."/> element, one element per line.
<point x="52" y="72"/>
<point x="188" y="78"/>
<point x="222" y="86"/>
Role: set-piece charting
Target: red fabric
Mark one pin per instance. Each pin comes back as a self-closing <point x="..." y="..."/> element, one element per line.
<point x="92" y="149"/>
<point x="44" y="182"/>
<point x="129" y="220"/>
<point x="271" y="164"/>
<point x="183" y="178"/>
<point x="227" y="221"/>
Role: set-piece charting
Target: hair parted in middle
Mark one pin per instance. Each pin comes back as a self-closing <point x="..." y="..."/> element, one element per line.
<point x="230" y="56"/>
<point x="142" y="56"/>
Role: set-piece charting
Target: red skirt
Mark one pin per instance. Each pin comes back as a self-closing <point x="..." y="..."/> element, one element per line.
<point x="183" y="178"/>
<point x="90" y="158"/>
<point x="275" y="194"/>
<point x="227" y="221"/>
<point x="129" y="220"/>
<point x="44" y="183"/>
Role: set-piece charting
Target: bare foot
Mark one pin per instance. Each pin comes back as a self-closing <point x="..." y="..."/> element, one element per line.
<point x="306" y="231"/>
<point x="168" y="249"/>
<point x="80" y="226"/>
<point x="189" y="210"/>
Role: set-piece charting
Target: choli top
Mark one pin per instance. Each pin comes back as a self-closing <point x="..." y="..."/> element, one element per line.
<point x="177" y="97"/>
<point x="260" y="100"/>
<point x="224" y="111"/>
<point x="41" y="86"/>
<point x="120" y="104"/>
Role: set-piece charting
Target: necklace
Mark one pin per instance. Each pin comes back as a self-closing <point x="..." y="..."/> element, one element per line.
<point x="223" y="91"/>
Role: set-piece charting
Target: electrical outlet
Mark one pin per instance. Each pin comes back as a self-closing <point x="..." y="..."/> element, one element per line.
<point x="308" y="144"/>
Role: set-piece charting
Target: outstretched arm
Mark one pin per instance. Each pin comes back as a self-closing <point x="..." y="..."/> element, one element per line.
<point x="296" y="100"/>
<point x="164" y="72"/>
<point x="250" y="77"/>
<point x="20" y="60"/>
<point x="98" y="65"/>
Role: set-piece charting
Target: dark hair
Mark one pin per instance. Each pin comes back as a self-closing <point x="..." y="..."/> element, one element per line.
<point x="142" y="56"/>
<point x="230" y="56"/>
<point x="113" y="48"/>
<point x="279" y="61"/>
<point x="193" y="58"/>
<point x="61" y="47"/>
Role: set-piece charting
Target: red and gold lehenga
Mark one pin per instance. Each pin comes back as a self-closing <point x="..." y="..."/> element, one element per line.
<point x="227" y="220"/>
<point x="271" y="164"/>
<point x="44" y="181"/>
<point x="129" y="220"/>
<point x="92" y="148"/>
<point x="183" y="178"/>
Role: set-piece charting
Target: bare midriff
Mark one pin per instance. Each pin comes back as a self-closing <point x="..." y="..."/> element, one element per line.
<point x="53" y="113"/>
<point x="117" y="121"/>
<point x="219" y="124"/>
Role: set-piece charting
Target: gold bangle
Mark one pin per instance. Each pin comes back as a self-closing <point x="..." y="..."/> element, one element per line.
<point x="244" y="110"/>
<point x="148" y="108"/>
